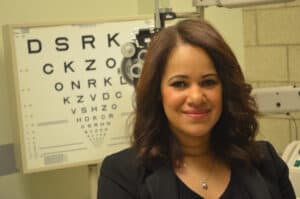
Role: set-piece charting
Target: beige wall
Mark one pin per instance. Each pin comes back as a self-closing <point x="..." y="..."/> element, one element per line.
<point x="73" y="182"/>
<point x="272" y="49"/>
<point x="60" y="184"/>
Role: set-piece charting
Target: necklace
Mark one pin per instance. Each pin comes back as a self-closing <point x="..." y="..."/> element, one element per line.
<point x="204" y="182"/>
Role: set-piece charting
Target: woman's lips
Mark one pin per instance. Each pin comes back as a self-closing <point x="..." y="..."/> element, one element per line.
<point x="196" y="114"/>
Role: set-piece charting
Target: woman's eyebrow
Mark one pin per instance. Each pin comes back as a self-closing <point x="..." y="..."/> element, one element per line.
<point x="209" y="75"/>
<point x="183" y="76"/>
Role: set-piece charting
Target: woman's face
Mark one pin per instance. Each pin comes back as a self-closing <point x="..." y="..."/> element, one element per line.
<point x="191" y="94"/>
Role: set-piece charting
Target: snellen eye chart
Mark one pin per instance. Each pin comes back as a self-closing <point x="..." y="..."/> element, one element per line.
<point x="72" y="104"/>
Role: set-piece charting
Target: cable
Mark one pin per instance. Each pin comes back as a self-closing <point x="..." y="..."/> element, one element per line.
<point x="293" y="119"/>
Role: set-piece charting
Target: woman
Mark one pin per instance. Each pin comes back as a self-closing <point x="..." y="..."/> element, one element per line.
<point x="194" y="128"/>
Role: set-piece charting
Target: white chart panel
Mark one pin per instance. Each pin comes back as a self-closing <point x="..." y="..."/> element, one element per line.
<point x="74" y="103"/>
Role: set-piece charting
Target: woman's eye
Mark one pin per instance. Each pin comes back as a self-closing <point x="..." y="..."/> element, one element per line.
<point x="178" y="84"/>
<point x="209" y="82"/>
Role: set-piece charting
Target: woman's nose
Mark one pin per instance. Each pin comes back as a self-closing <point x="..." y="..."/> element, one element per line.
<point x="196" y="96"/>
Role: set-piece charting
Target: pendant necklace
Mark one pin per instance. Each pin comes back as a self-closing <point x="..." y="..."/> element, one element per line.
<point x="204" y="182"/>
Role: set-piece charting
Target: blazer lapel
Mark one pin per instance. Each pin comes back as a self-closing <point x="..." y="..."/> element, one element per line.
<point x="161" y="184"/>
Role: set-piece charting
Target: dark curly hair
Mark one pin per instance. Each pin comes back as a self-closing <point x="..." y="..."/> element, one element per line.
<point x="232" y="137"/>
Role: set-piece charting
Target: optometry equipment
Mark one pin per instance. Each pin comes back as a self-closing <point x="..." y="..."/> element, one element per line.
<point x="235" y="3"/>
<point x="133" y="52"/>
<point x="277" y="99"/>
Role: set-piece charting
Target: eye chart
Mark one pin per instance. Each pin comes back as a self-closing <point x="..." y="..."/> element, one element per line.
<point x="73" y="105"/>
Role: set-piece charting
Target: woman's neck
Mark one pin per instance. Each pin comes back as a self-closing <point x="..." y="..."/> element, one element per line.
<point x="195" y="147"/>
<point x="195" y="151"/>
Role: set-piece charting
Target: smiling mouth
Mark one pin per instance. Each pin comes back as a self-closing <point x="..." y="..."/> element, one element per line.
<point x="197" y="114"/>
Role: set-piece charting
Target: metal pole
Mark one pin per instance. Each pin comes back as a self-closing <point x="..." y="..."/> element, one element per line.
<point x="156" y="13"/>
<point x="200" y="11"/>
<point x="93" y="180"/>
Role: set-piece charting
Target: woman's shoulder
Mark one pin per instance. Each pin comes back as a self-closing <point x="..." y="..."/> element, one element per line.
<point x="267" y="151"/>
<point x="121" y="160"/>
<point x="125" y="155"/>
<point x="271" y="163"/>
<point x="121" y="172"/>
<point x="122" y="166"/>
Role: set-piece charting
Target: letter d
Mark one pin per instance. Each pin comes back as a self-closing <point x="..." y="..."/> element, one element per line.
<point x="34" y="46"/>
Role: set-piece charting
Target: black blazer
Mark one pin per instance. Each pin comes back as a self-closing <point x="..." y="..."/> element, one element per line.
<point x="122" y="177"/>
